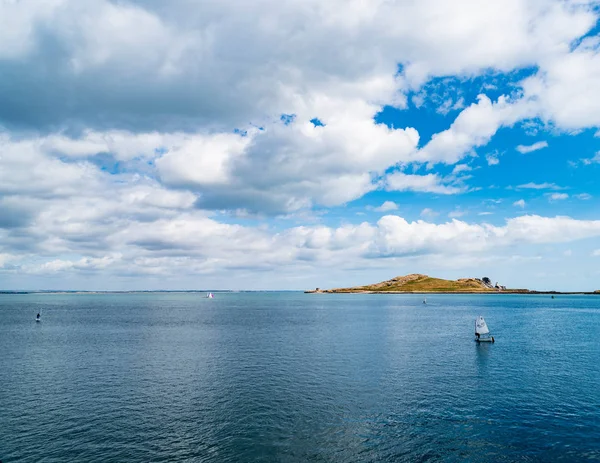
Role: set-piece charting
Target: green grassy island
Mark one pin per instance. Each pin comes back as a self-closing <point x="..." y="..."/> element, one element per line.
<point x="418" y="283"/>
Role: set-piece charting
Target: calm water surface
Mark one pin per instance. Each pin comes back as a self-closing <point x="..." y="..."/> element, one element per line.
<point x="249" y="377"/>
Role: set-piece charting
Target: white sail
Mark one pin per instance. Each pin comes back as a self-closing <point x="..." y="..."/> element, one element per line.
<point x="481" y="326"/>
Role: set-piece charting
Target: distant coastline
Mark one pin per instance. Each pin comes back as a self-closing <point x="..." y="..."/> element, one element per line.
<point x="146" y="291"/>
<point x="416" y="283"/>
<point x="66" y="291"/>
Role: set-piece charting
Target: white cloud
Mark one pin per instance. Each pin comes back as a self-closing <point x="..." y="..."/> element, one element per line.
<point x="539" y="186"/>
<point x="122" y="144"/>
<point x="450" y="105"/>
<point x="83" y="264"/>
<point x="387" y="206"/>
<point x="456" y="213"/>
<point x="5" y="259"/>
<point x="596" y="253"/>
<point x="25" y="170"/>
<point x="429" y="183"/>
<point x="279" y="169"/>
<point x="184" y="101"/>
<point x="192" y="62"/>
<point x="458" y="168"/>
<point x="202" y="161"/>
<point x="117" y="230"/>
<point x="392" y="235"/>
<point x="520" y="203"/>
<point x="584" y="196"/>
<point x="558" y="196"/>
<point x="492" y="159"/>
<point x="593" y="160"/>
<point x="474" y="127"/>
<point x="536" y="229"/>
<point x="396" y="236"/>
<point x="429" y="213"/>
<point x="524" y="149"/>
<point x="567" y="87"/>
<point x="17" y="26"/>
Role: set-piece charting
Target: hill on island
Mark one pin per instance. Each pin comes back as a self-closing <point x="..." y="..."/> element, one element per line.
<point x="418" y="283"/>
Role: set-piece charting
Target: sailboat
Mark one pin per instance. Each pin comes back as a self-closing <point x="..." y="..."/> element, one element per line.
<point x="482" y="333"/>
<point x="209" y="295"/>
<point x="38" y="317"/>
<point x="425" y="300"/>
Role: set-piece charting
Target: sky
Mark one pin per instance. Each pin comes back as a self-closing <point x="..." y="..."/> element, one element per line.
<point x="288" y="145"/>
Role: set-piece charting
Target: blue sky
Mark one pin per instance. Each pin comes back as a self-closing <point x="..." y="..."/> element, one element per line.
<point x="161" y="145"/>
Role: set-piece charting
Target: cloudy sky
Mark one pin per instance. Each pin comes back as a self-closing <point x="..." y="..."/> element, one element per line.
<point x="154" y="144"/>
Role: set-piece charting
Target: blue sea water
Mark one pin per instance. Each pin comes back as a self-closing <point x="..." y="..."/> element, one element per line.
<point x="292" y="377"/>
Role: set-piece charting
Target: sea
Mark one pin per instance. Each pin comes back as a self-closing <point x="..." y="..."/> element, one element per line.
<point x="294" y="377"/>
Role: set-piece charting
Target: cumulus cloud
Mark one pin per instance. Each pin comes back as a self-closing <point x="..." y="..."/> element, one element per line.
<point x="83" y="264"/>
<point x="567" y="87"/>
<point x="474" y="127"/>
<point x="189" y="65"/>
<point x="391" y="235"/>
<point x="158" y="124"/>
<point x="202" y="161"/>
<point x="126" y="226"/>
<point x="524" y="149"/>
<point x="397" y="236"/>
<point x="279" y="169"/>
<point x="387" y="206"/>
<point x="287" y="166"/>
<point x="122" y="144"/>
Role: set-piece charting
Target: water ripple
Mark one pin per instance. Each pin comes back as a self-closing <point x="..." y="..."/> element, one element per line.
<point x="291" y="377"/>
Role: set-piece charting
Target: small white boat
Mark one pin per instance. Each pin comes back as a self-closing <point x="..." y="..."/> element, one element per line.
<point x="425" y="300"/>
<point x="209" y="296"/>
<point x="482" y="332"/>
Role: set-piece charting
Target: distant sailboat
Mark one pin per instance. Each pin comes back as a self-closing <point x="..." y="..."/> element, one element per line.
<point x="38" y="317"/>
<point x="424" y="300"/>
<point x="482" y="333"/>
<point x="209" y="295"/>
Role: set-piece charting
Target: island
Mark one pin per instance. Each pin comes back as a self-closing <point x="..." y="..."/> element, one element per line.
<point x="419" y="283"/>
